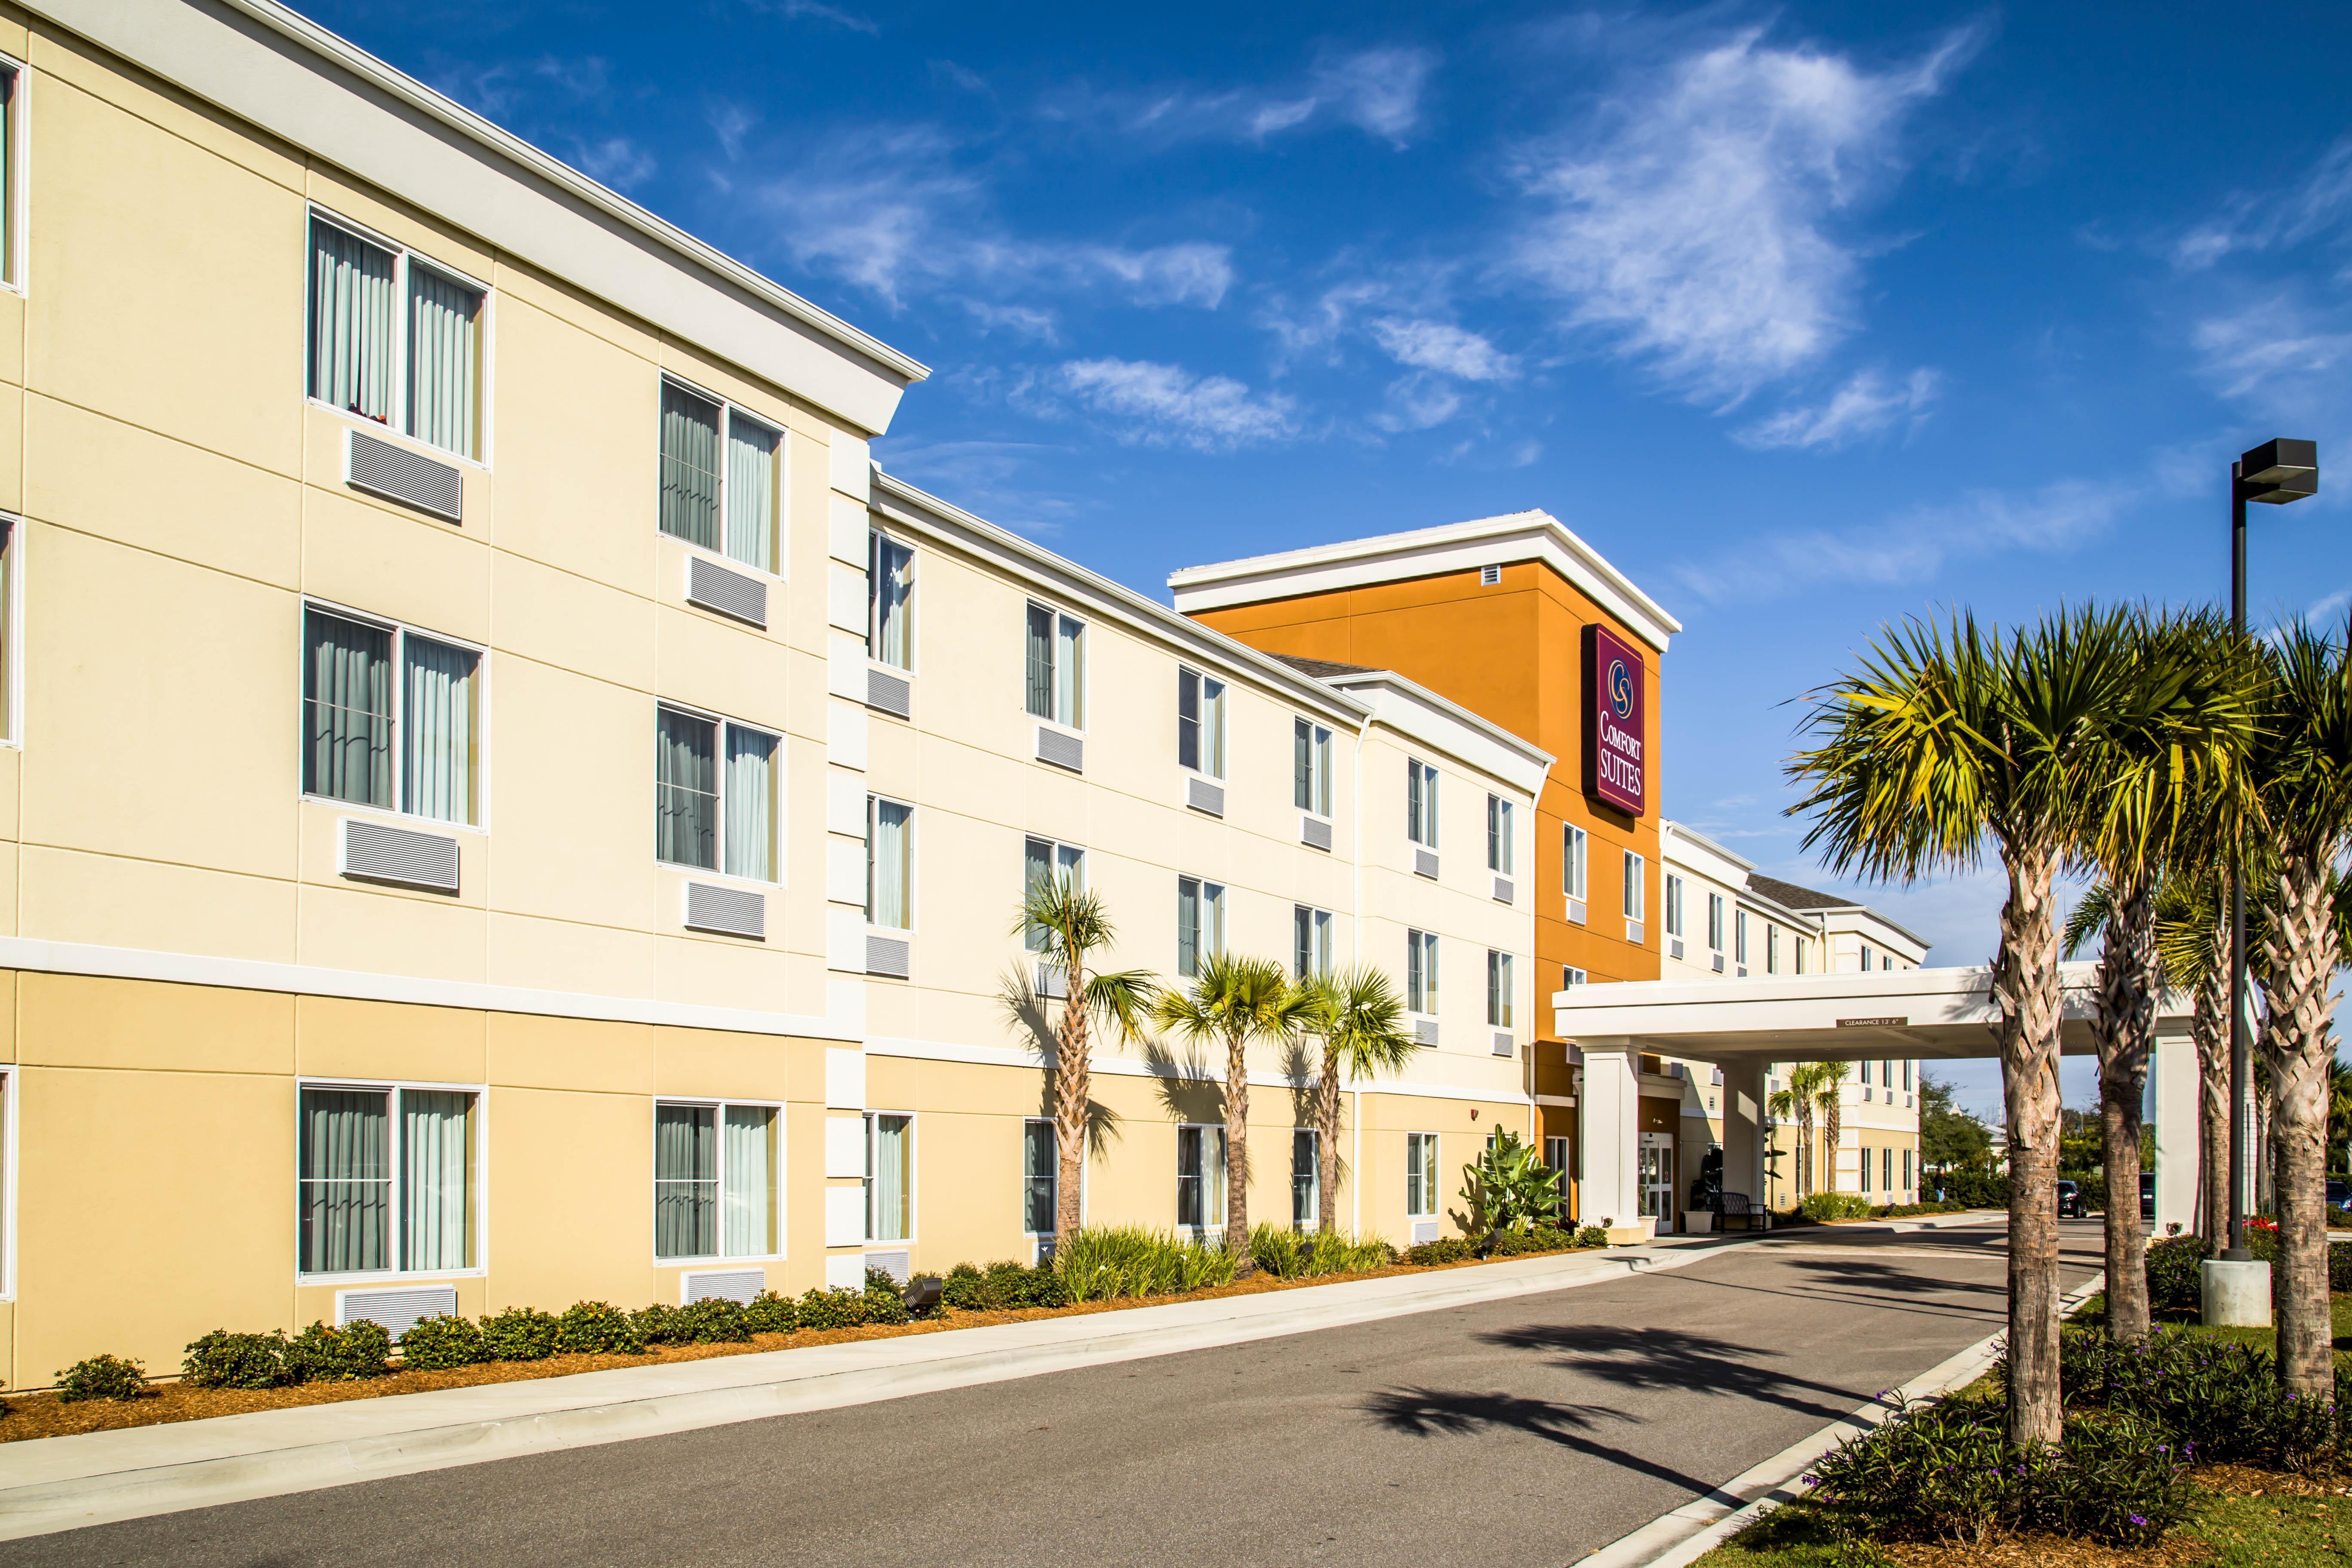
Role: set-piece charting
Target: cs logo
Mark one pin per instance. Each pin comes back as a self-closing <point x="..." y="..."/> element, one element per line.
<point x="1620" y="688"/>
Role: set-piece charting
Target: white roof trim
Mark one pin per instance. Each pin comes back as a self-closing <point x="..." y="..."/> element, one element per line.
<point x="327" y="96"/>
<point x="1418" y="714"/>
<point x="1455" y="547"/>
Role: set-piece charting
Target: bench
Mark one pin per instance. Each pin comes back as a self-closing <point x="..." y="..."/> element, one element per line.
<point x="1730" y="1207"/>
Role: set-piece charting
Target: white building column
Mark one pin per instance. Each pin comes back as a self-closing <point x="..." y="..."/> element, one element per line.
<point x="1743" y="1130"/>
<point x="845" y="858"/>
<point x="2173" y="1093"/>
<point x="1608" y="1123"/>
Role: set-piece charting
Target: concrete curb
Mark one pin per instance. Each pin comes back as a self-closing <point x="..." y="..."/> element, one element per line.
<point x="1680" y="1538"/>
<point x="64" y="1483"/>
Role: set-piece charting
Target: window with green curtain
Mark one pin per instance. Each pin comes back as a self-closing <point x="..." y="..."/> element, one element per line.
<point x="352" y="329"/>
<point x="444" y="361"/>
<point x="889" y="866"/>
<point x="890" y="594"/>
<point x="1069" y="673"/>
<point x="752" y="449"/>
<point x="11" y="265"/>
<point x="1041" y="1169"/>
<point x="747" y="1202"/>
<point x="685" y="789"/>
<point x="689" y="466"/>
<point x="890" y="1178"/>
<point x="1041" y="662"/>
<point x="439" y="724"/>
<point x="685" y="1181"/>
<point x="1188" y="927"/>
<point x="347" y="710"/>
<point x="750" y="795"/>
<point x="437" y="1200"/>
<point x="345" y="1187"/>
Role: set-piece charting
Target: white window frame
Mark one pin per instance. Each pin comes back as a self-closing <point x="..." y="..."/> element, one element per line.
<point x="1799" y="956"/>
<point x="874" y="598"/>
<point x="11" y="1086"/>
<point x="913" y="1169"/>
<point x="1057" y="849"/>
<point x="401" y="631"/>
<point x="1637" y="886"/>
<point x="1739" y="936"/>
<point x="1209" y="938"/>
<point x="1206" y="1224"/>
<point x="1056" y="1177"/>
<point x="775" y="793"/>
<point x="12" y="641"/>
<point x="1081" y="695"/>
<point x="914" y="825"/>
<point x="1714" y="922"/>
<point x="705" y="1102"/>
<point x="1421" y="972"/>
<point x="1499" y="968"/>
<point x="396" y="1245"/>
<point x="1771" y="948"/>
<point x="1421" y="800"/>
<point x="1209" y="722"/>
<point x="1322" y="928"/>
<point x="1674" y="904"/>
<point x="1318" y="767"/>
<point x="397" y="427"/>
<point x="727" y="409"/>
<point x="15" y="263"/>
<point x="1576" y="847"/>
<point x="1313" y="1221"/>
<point x="1570" y="977"/>
<point x="1502" y="839"/>
<point x="1867" y="954"/>
<point x="1430" y="1165"/>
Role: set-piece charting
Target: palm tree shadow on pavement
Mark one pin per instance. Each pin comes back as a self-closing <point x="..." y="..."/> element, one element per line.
<point x="1670" y="1359"/>
<point x="1451" y="1412"/>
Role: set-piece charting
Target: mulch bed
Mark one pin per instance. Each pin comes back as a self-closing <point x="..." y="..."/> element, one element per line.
<point x="30" y="1416"/>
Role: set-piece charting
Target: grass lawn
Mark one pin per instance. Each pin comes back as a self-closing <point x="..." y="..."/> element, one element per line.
<point x="2094" y="1314"/>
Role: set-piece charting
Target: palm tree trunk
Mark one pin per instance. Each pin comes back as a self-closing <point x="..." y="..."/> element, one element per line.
<point x="2208" y="1028"/>
<point x="1072" y="1087"/>
<point x="2301" y="964"/>
<point x="1237" y="1152"/>
<point x="2026" y="989"/>
<point x="1327" y="1150"/>
<point x="1832" y="1134"/>
<point x="2125" y="1024"/>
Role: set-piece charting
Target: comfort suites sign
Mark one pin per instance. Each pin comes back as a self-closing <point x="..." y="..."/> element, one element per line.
<point x="1616" y="703"/>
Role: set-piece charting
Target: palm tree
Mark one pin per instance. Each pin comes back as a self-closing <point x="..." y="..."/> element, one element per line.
<point x="1235" y="1001"/>
<point x="1068" y="923"/>
<point x="2192" y="939"/>
<point x="2303" y="781"/>
<point x="1948" y="740"/>
<point x="1360" y="1022"/>
<point x="1829" y="1095"/>
<point x="1796" y="1103"/>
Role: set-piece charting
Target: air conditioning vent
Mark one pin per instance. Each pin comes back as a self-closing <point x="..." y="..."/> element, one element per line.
<point x="1717" y="1079"/>
<point x="721" y="1285"/>
<point x="1504" y="892"/>
<point x="1203" y="795"/>
<point x="890" y="693"/>
<point x="1674" y="947"/>
<point x="889" y="956"/>
<point x="897" y="1265"/>
<point x="397" y="1311"/>
<point x="1715" y="961"/>
<point x="1050" y="982"/>
<point x="731" y="594"/>
<point x="379" y="852"/>
<point x="1489" y="576"/>
<point x="412" y="479"/>
<point x="1425" y="1031"/>
<point x="1503" y="1044"/>
<point x="1634" y="932"/>
<point x="1424" y="863"/>
<point x="1576" y="910"/>
<point x="726" y="911"/>
<point x="1423" y="1230"/>
<point x="1315" y="833"/>
<point x="1062" y="751"/>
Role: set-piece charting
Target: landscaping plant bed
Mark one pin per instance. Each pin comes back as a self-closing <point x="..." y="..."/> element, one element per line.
<point x="31" y="1416"/>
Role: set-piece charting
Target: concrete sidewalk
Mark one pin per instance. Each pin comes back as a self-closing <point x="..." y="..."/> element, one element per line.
<point x="61" y="1483"/>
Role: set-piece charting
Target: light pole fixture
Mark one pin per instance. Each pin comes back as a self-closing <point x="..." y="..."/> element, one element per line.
<point x="2274" y="473"/>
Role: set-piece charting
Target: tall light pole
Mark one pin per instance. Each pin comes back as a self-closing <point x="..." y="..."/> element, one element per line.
<point x="2276" y="473"/>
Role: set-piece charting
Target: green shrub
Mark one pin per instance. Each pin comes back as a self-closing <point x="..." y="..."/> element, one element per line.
<point x="597" y="1328"/>
<point x="654" y="1324"/>
<point x="519" y="1334"/>
<point x="1974" y="1189"/>
<point x="440" y="1342"/>
<point x="1003" y="1287"/>
<point x="2174" y="1275"/>
<point x="1591" y="1235"/>
<point x="323" y="1354"/>
<point x="1101" y="1264"/>
<point x="2339" y="1266"/>
<point x="1444" y="1249"/>
<point x="769" y="1313"/>
<point x="709" y="1322"/>
<point x="1823" y="1207"/>
<point x="1289" y="1253"/>
<point x="1542" y="1238"/>
<point x="223" y="1360"/>
<point x="885" y="1301"/>
<point x="101" y="1377"/>
<point x="2218" y="1399"/>
<point x="833" y="1309"/>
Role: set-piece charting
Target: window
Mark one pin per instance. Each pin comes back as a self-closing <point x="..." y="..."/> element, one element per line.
<point x="394" y="339"/>
<point x="1739" y="937"/>
<point x="1714" y="921"/>
<point x="388" y="1179"/>
<point x="1201" y="1177"/>
<point x="1420" y="1175"/>
<point x="1421" y="972"/>
<point x="12" y="266"/>
<point x="889" y="601"/>
<point x="1311" y="766"/>
<point x="1200" y="723"/>
<point x="1801" y="955"/>
<point x="1574" y="845"/>
<point x="1043" y="861"/>
<point x="1885" y="960"/>
<point x="1886" y="1170"/>
<point x="1556" y="1162"/>
<point x="1674" y="905"/>
<point x="716" y="1167"/>
<point x="1907" y="1079"/>
<point x="1867" y="963"/>
<point x="1421" y="803"/>
<point x="890" y="864"/>
<point x="720" y="500"/>
<point x="1772" y="950"/>
<point x="1864" y="1161"/>
<point x="1199" y="923"/>
<point x="1498" y="989"/>
<point x="1501" y="854"/>
<point x="1058" y="667"/>
<point x="1311" y="944"/>
<point x="1636" y="888"/>
<point x="1041" y="1169"/>
<point x="1306" y="1175"/>
<point x="713" y="811"/>
<point x="390" y="718"/>
<point x="889" y="1177"/>
<point x="1907" y="1170"/>
<point x="1570" y="977"/>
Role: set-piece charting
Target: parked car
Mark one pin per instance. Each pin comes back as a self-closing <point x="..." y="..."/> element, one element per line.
<point x="2339" y="1195"/>
<point x="2147" y="1197"/>
<point x="2070" y="1201"/>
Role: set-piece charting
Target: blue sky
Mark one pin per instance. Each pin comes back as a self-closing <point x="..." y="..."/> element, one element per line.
<point x="1807" y="317"/>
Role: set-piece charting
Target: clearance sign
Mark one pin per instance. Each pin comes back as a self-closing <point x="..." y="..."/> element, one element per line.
<point x="1616" y="703"/>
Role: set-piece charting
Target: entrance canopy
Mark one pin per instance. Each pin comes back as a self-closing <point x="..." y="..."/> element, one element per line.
<point x="1919" y="1013"/>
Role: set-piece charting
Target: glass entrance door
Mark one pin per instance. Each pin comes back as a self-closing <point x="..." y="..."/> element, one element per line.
<point x="1654" y="1175"/>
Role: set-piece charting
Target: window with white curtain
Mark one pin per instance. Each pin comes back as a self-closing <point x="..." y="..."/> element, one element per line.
<point x="1637" y="886"/>
<point x="1421" y="972"/>
<point x="1310" y="941"/>
<point x="1056" y="664"/>
<point x="1674" y="905"/>
<point x="1420" y="1175"/>
<point x="1499" y="990"/>
<point x="1043" y="860"/>
<point x="1200" y="723"/>
<point x="714" y="794"/>
<point x="1200" y="1176"/>
<point x="391" y="717"/>
<point x="1771" y="949"/>
<point x="1199" y="923"/>
<point x="12" y="262"/>
<point x="1502" y="852"/>
<point x="889" y="601"/>
<point x="394" y="339"/>
<point x="1311" y="766"/>
<point x="1739" y="936"/>
<point x="890" y="864"/>
<point x="1421" y="803"/>
<point x="12" y="531"/>
<point x="717" y="1165"/>
<point x="722" y="495"/>
<point x="889" y="1177"/>
<point x="1575" y="844"/>
<point x="386" y="1178"/>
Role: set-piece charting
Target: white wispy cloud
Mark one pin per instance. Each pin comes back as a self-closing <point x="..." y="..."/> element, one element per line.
<point x="1418" y="403"/>
<point x="1866" y="404"/>
<point x="2272" y="220"/>
<point x="1444" y="347"/>
<point x="616" y="161"/>
<point x="816" y="11"/>
<point x="1692" y="221"/>
<point x="1165" y="405"/>
<point x="1376" y="90"/>
<point x="1379" y="91"/>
